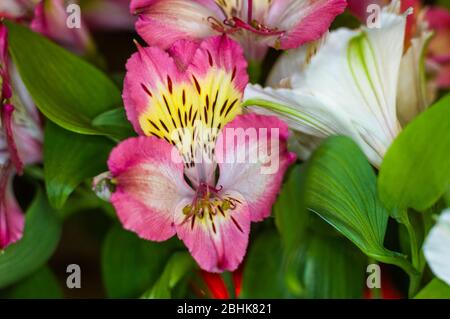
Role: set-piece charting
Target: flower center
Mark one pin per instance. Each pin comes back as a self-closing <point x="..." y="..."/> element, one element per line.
<point x="208" y="202"/>
<point x="235" y="23"/>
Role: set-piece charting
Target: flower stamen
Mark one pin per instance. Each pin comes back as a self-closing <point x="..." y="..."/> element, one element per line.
<point x="253" y="26"/>
<point x="208" y="202"/>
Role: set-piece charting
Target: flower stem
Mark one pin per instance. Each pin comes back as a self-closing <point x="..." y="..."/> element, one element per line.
<point x="255" y="71"/>
<point x="399" y="261"/>
<point x="415" y="257"/>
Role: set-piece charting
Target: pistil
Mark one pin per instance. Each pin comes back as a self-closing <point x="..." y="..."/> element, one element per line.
<point x="208" y="202"/>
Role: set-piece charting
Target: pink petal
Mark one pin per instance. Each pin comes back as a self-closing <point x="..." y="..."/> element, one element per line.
<point x="109" y="15"/>
<point x="147" y="70"/>
<point x="5" y="89"/>
<point x="439" y="21"/>
<point x="6" y="116"/>
<point x="443" y="79"/>
<point x="50" y="19"/>
<point x="241" y="167"/>
<point x="182" y="52"/>
<point x="137" y="6"/>
<point x="222" y="246"/>
<point x="3" y="45"/>
<point x="152" y="75"/>
<point x="21" y="93"/>
<point x="163" y="22"/>
<point x="11" y="217"/>
<point x="27" y="132"/>
<point x="16" y="9"/>
<point x="359" y="7"/>
<point x="438" y="18"/>
<point x="222" y="53"/>
<point x="23" y="138"/>
<point x="303" y="20"/>
<point x="149" y="186"/>
<point x="29" y="145"/>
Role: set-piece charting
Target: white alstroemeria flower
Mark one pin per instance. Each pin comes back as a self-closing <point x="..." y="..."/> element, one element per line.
<point x="437" y="247"/>
<point x="349" y="87"/>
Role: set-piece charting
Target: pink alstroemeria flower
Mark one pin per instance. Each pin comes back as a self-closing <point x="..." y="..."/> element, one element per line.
<point x="439" y="21"/>
<point x="256" y="25"/>
<point x="50" y="19"/>
<point x="160" y="187"/>
<point x="108" y="14"/>
<point x="17" y="9"/>
<point x="20" y="142"/>
<point x="360" y="8"/>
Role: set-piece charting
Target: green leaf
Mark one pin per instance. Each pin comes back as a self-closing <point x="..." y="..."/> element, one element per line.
<point x="84" y="199"/>
<point x="444" y="3"/>
<point x="314" y="252"/>
<point x="330" y="267"/>
<point x="40" y="285"/>
<point x="255" y="71"/>
<point x="416" y="168"/>
<point x="66" y="89"/>
<point x="39" y="241"/>
<point x="130" y="265"/>
<point x="436" y="289"/>
<point x="115" y="123"/>
<point x="346" y="20"/>
<point x="291" y="217"/>
<point x="69" y="159"/>
<point x="341" y="188"/>
<point x="263" y="275"/>
<point x="178" y="266"/>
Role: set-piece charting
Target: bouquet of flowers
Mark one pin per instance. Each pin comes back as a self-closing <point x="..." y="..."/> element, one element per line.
<point x="225" y="149"/>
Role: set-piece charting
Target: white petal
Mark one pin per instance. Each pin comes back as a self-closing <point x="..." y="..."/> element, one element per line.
<point x="348" y="88"/>
<point x="312" y="117"/>
<point x="290" y="62"/>
<point x="353" y="75"/>
<point x="413" y="96"/>
<point x="437" y="247"/>
<point x="293" y="62"/>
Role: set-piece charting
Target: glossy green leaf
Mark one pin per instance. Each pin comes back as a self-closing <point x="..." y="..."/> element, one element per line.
<point x="179" y="265"/>
<point x="67" y="90"/>
<point x="436" y="289"/>
<point x="84" y="199"/>
<point x="291" y="217"/>
<point x="42" y="284"/>
<point x="416" y="168"/>
<point x="329" y="267"/>
<point x="341" y="188"/>
<point x="263" y="275"/>
<point x="39" y="241"/>
<point x="130" y="265"/>
<point x="69" y="159"/>
<point x="314" y="252"/>
<point x="115" y="123"/>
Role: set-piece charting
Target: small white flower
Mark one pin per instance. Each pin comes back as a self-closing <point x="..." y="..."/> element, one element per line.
<point x="437" y="247"/>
